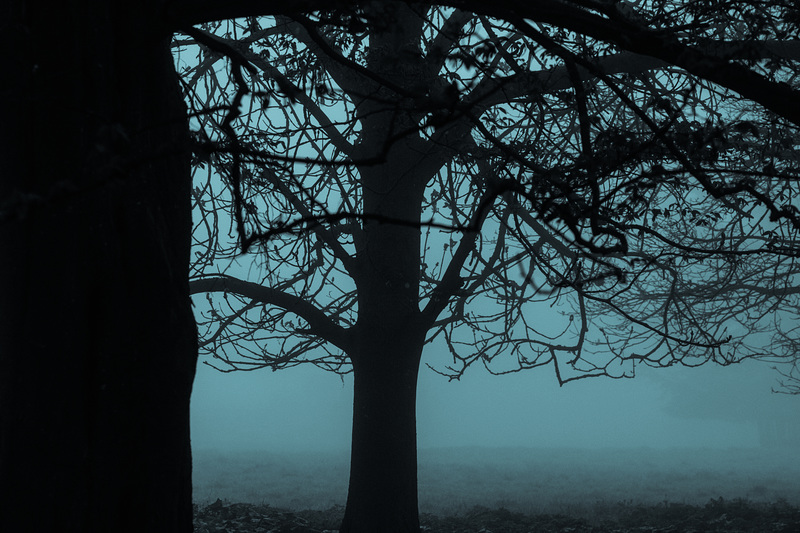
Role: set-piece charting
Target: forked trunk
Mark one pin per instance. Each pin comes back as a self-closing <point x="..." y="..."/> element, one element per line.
<point x="382" y="496"/>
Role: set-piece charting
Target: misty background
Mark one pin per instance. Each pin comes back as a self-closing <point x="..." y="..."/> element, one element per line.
<point x="515" y="441"/>
<point x="307" y="409"/>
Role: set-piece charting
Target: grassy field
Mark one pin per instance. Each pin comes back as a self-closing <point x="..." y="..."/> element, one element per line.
<point x="579" y="483"/>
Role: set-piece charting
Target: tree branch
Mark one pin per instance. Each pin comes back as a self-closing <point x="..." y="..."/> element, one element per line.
<point x="320" y="324"/>
<point x="623" y="32"/>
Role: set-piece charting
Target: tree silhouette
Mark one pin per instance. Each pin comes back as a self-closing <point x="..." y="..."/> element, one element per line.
<point x="407" y="175"/>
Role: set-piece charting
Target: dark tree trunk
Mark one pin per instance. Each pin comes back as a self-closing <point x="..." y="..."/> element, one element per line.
<point x="382" y="495"/>
<point x="386" y="348"/>
<point x="97" y="338"/>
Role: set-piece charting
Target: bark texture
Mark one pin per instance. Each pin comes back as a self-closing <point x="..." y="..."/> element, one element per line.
<point x="97" y="338"/>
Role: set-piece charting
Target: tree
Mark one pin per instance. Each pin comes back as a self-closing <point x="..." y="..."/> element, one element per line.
<point x="408" y="175"/>
<point x="83" y="84"/>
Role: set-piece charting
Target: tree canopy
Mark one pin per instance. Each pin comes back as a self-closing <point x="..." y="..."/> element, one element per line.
<point x="656" y="208"/>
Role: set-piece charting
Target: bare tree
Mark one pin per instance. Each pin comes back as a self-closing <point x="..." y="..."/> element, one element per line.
<point x="407" y="175"/>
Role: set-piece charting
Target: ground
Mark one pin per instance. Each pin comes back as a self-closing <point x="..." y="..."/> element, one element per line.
<point x="736" y="516"/>
<point x="515" y="490"/>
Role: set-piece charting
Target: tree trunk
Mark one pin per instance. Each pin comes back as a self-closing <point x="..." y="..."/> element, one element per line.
<point x="382" y="496"/>
<point x="97" y="339"/>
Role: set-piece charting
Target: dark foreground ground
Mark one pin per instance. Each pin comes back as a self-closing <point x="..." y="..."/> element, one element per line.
<point x="721" y="516"/>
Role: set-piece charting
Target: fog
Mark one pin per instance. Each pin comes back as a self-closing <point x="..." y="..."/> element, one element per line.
<point x="308" y="409"/>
